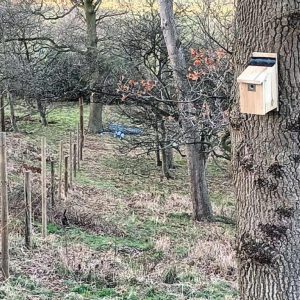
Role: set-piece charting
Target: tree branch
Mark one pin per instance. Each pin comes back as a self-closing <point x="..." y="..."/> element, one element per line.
<point x="39" y="13"/>
<point x="62" y="47"/>
<point x="108" y="15"/>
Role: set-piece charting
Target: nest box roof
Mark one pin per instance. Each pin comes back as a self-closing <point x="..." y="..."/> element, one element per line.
<point x="254" y="75"/>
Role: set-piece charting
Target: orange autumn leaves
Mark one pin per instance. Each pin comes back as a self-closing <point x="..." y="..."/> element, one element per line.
<point x="138" y="88"/>
<point x="203" y="62"/>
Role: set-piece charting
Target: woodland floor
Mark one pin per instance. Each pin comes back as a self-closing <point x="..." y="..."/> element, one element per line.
<point x="131" y="235"/>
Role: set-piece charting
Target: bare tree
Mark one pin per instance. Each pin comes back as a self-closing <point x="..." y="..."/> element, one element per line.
<point x="148" y="94"/>
<point x="143" y="47"/>
<point x="196" y="152"/>
<point x="34" y="71"/>
<point x="54" y="31"/>
<point x="90" y="8"/>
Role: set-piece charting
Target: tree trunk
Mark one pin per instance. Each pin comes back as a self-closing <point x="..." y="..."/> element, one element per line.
<point x="170" y="158"/>
<point x="197" y="165"/>
<point x="2" y="113"/>
<point x="165" y="152"/>
<point x="13" y="118"/>
<point x="157" y="141"/>
<point x="42" y="112"/>
<point x="199" y="191"/>
<point x="266" y="157"/>
<point x="28" y="210"/>
<point x="157" y="153"/>
<point x="95" y="118"/>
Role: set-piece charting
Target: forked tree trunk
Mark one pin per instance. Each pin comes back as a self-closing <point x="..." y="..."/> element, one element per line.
<point x="266" y="157"/>
<point x="96" y="106"/>
<point x="199" y="192"/>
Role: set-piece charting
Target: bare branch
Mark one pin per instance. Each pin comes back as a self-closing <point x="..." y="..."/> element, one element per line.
<point x="56" y="17"/>
<point x="110" y="15"/>
<point x="54" y="45"/>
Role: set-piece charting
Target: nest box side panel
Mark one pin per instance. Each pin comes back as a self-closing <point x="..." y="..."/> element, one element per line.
<point x="275" y="88"/>
<point x="268" y="99"/>
<point x="274" y="104"/>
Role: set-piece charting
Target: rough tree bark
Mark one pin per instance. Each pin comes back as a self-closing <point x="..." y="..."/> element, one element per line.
<point x="95" y="118"/>
<point x="196" y="157"/>
<point x="96" y="106"/>
<point x="157" y="141"/>
<point x="170" y="158"/>
<point x="266" y="157"/>
<point x="42" y="112"/>
<point x="165" y="152"/>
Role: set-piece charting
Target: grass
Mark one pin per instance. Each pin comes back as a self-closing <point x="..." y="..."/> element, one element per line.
<point x="217" y="291"/>
<point x="100" y="243"/>
<point x="62" y="120"/>
<point x="90" y="180"/>
<point x="21" y="283"/>
<point x="131" y="234"/>
<point x="88" y="292"/>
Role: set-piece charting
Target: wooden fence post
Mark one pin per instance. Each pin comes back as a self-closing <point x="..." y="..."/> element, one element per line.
<point x="66" y="177"/>
<point x="60" y="162"/>
<point x="52" y="184"/>
<point x="78" y="146"/>
<point x="81" y="126"/>
<point x="28" y="210"/>
<point x="71" y="161"/>
<point x="44" y="188"/>
<point x="4" y="206"/>
<point x="74" y="159"/>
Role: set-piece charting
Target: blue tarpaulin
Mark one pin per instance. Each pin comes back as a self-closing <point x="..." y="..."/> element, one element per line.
<point x="119" y="131"/>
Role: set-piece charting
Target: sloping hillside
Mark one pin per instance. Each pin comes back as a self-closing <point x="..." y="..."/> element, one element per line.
<point x="130" y="233"/>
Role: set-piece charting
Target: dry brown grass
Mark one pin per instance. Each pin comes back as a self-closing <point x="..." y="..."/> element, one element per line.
<point x="130" y="212"/>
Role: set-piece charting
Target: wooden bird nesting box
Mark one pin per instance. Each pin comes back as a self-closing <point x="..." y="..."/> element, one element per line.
<point x="259" y="84"/>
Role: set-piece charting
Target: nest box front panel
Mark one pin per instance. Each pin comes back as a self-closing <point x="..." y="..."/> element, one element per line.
<point x="259" y="84"/>
<point x="252" y="95"/>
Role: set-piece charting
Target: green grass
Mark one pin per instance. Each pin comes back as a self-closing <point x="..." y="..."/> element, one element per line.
<point x="21" y="282"/>
<point x="61" y="121"/>
<point x="144" y="230"/>
<point x="132" y="175"/>
<point x="217" y="291"/>
<point x="153" y="294"/>
<point x="103" y="242"/>
<point x="85" y="179"/>
<point x="53" y="229"/>
<point x="89" y="292"/>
